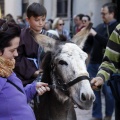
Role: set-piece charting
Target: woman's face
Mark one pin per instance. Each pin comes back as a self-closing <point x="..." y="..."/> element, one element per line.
<point x="11" y="51"/>
<point x="85" y="21"/>
<point x="60" y="25"/>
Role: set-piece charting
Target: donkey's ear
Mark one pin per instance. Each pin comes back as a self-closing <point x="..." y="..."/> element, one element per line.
<point x="44" y="41"/>
<point x="81" y="36"/>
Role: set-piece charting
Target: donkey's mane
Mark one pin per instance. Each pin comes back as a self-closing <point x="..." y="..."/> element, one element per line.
<point x="46" y="68"/>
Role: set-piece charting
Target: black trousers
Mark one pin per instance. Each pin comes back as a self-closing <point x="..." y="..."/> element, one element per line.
<point x="117" y="110"/>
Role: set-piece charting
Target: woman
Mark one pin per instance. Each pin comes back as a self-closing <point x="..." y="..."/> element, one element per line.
<point x="13" y="97"/>
<point x="86" y="20"/>
<point x="58" y="25"/>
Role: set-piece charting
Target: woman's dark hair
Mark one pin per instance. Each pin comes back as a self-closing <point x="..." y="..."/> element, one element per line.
<point x="80" y="16"/>
<point x="8" y="31"/>
<point x="35" y="10"/>
<point x="89" y="19"/>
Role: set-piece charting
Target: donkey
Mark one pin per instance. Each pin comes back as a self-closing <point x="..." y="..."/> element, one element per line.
<point x="65" y="71"/>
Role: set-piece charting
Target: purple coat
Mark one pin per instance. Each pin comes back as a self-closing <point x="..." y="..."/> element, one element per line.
<point x="13" y="103"/>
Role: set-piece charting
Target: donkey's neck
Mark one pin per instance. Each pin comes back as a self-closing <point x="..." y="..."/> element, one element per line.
<point x="59" y="110"/>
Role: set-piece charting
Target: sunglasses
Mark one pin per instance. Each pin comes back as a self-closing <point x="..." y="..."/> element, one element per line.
<point x="84" y="21"/>
<point x="61" y="24"/>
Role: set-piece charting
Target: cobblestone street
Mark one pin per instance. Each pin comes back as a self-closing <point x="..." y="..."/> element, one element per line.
<point x="87" y="114"/>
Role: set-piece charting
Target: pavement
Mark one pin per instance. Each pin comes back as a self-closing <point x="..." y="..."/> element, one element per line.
<point x="87" y="114"/>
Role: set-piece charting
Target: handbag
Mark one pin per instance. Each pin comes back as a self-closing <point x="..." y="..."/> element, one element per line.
<point x="114" y="84"/>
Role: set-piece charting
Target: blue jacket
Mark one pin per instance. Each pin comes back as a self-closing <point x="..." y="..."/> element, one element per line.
<point x="13" y="103"/>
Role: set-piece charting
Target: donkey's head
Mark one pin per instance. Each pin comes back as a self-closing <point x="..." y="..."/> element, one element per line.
<point x="68" y="66"/>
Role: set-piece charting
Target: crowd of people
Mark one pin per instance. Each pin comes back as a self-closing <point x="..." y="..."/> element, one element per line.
<point x="16" y="44"/>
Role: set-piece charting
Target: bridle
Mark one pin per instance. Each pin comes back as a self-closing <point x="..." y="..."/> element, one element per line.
<point x="60" y="84"/>
<point x="65" y="86"/>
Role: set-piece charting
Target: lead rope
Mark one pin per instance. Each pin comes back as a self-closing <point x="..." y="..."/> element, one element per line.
<point x="38" y="79"/>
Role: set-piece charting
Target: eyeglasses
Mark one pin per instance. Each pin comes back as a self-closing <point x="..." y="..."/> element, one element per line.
<point x="104" y="14"/>
<point x="4" y="27"/>
<point x="61" y="24"/>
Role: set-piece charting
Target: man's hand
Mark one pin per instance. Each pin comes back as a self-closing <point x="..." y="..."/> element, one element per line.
<point x="96" y="83"/>
<point x="92" y="32"/>
<point x="42" y="88"/>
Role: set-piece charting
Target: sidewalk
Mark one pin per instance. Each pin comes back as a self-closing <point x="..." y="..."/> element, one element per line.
<point x="87" y="114"/>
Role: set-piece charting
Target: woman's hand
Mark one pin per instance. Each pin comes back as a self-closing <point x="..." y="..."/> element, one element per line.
<point x="97" y="82"/>
<point x="42" y="88"/>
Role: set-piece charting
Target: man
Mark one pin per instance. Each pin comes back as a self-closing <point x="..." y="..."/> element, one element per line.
<point x="79" y="24"/>
<point x="101" y="35"/>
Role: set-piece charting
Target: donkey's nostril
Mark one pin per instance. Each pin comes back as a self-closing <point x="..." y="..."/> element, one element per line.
<point x="83" y="97"/>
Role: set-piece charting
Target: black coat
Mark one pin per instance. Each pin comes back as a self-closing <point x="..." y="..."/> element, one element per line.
<point x="28" y="48"/>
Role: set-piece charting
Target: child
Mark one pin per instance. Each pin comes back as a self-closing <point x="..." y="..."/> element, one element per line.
<point x="27" y="63"/>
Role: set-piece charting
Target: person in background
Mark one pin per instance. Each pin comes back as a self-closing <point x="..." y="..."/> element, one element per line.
<point x="25" y="21"/>
<point x="20" y="22"/>
<point x="86" y="20"/>
<point x="58" y="25"/>
<point x="79" y="24"/>
<point x="14" y="97"/>
<point x="9" y="18"/>
<point x="101" y="35"/>
<point x="47" y="26"/>
<point x="51" y="22"/>
<point x="74" y="24"/>
<point x="88" y="43"/>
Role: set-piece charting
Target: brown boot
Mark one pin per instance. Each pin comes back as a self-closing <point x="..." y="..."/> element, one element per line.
<point x="107" y="118"/>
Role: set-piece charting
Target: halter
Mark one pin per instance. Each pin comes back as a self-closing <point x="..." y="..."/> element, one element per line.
<point x="61" y="85"/>
<point x="65" y="86"/>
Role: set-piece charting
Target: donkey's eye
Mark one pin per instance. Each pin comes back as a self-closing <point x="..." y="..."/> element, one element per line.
<point x="62" y="62"/>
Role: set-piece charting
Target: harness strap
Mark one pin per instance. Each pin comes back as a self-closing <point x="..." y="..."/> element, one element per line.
<point x="64" y="86"/>
<point x="71" y="83"/>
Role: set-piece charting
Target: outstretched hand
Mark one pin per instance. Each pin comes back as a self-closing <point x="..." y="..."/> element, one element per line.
<point x="92" y="32"/>
<point x="42" y="88"/>
<point x="97" y="82"/>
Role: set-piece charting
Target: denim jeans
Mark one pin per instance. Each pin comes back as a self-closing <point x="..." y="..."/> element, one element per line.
<point x="109" y="100"/>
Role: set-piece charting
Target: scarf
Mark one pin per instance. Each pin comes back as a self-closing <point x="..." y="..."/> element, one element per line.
<point x="6" y="67"/>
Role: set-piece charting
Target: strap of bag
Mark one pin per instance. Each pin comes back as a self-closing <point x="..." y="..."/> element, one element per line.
<point x="15" y="86"/>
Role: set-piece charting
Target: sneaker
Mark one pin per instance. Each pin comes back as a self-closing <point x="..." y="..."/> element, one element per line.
<point x="107" y="118"/>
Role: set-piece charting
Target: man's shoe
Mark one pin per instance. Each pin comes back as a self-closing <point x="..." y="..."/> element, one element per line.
<point x="107" y="118"/>
<point x="95" y="118"/>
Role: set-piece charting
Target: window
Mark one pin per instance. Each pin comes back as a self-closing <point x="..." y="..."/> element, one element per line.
<point x="62" y="8"/>
<point x="1" y="8"/>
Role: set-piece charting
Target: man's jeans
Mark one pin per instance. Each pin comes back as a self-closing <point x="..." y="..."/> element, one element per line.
<point x="109" y="100"/>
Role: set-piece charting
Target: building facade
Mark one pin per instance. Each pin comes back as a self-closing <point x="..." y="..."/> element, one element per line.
<point x="58" y="8"/>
